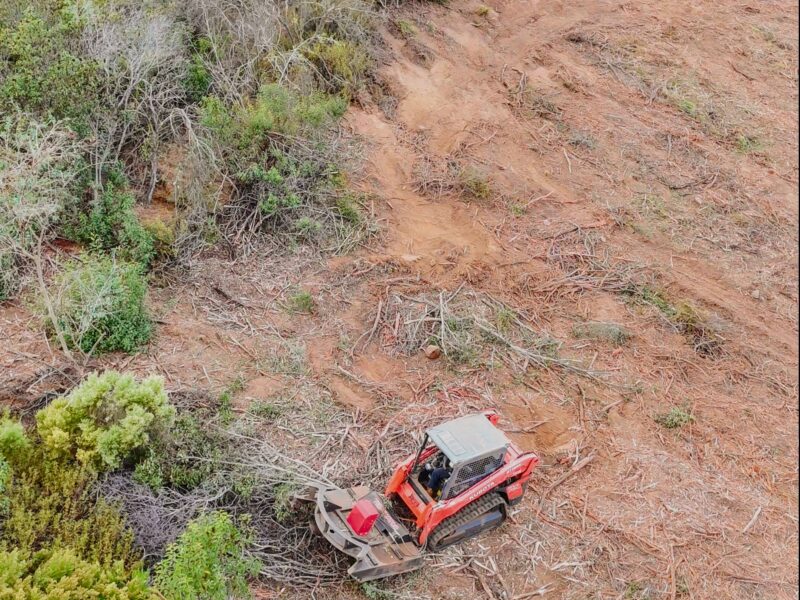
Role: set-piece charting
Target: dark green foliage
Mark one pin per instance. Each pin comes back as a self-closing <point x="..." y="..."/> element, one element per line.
<point x="101" y="305"/>
<point x="208" y="562"/>
<point x="348" y="208"/>
<point x="108" y="223"/>
<point x="184" y="457"/>
<point x="41" y="68"/>
<point x="198" y="79"/>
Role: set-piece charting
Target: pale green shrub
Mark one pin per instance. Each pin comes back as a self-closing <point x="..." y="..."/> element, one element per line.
<point x="61" y="575"/>
<point x="105" y="420"/>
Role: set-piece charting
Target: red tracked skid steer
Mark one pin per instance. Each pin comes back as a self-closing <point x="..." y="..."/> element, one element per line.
<point x="459" y="484"/>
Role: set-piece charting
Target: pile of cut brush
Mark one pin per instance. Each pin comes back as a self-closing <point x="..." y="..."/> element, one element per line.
<point x="469" y="328"/>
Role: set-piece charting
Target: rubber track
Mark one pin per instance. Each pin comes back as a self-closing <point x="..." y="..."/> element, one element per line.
<point x="475" y="509"/>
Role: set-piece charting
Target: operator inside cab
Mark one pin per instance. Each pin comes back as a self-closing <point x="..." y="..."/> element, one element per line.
<point x="436" y="475"/>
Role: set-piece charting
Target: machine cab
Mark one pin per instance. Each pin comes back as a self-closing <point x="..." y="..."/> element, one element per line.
<point x="456" y="455"/>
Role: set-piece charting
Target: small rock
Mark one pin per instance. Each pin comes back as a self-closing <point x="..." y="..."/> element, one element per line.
<point x="756" y="294"/>
<point x="433" y="352"/>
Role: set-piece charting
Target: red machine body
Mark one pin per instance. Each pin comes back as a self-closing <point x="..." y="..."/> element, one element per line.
<point x="458" y="485"/>
<point x="508" y="481"/>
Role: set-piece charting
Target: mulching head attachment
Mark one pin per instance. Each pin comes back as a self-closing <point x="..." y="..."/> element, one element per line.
<point x="387" y="548"/>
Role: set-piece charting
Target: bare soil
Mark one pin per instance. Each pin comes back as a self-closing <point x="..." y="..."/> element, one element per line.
<point x="625" y="148"/>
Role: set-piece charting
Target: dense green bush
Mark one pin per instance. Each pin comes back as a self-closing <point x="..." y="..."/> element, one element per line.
<point x="61" y="575"/>
<point x="108" y="223"/>
<point x="275" y="111"/>
<point x="14" y="444"/>
<point x="52" y="505"/>
<point x="184" y="458"/>
<point x="208" y="562"/>
<point x="58" y="540"/>
<point x="105" y="420"/>
<point x="283" y="158"/>
<point x="41" y="67"/>
<point x="198" y="79"/>
<point x="99" y="305"/>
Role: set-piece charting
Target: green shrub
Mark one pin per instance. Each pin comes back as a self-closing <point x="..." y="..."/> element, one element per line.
<point x="474" y="184"/>
<point x="198" y="79"/>
<point x="300" y="302"/>
<point x="746" y="144"/>
<point x="406" y="28"/>
<point x="163" y="238"/>
<point x="348" y="209"/>
<point x="150" y="472"/>
<point x="246" y="130"/>
<point x="371" y="590"/>
<point x="52" y="505"/>
<point x="105" y="420"/>
<point x="183" y="458"/>
<point x="208" y="562"/>
<point x="307" y="227"/>
<point x="99" y="305"/>
<point x="505" y="319"/>
<point x="343" y="65"/>
<point x="14" y="444"/>
<point x="268" y="411"/>
<point x="676" y="418"/>
<point x="61" y="575"/>
<point x="226" y="406"/>
<point x="281" y="155"/>
<point x="110" y="223"/>
<point x="41" y="69"/>
<point x="687" y="319"/>
<point x="5" y="476"/>
<point x="284" y="499"/>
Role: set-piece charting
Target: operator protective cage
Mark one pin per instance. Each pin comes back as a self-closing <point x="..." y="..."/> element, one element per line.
<point x="474" y="447"/>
